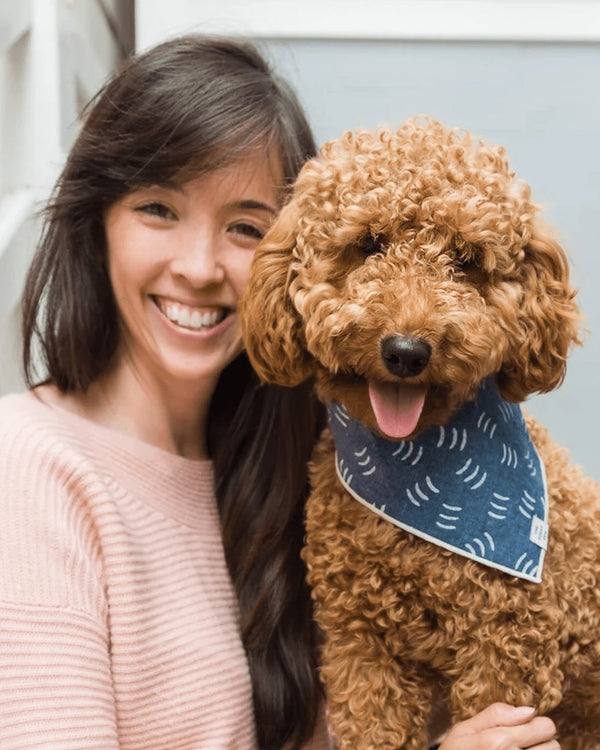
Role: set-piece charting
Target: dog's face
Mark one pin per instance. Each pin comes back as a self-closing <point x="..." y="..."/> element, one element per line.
<point x="406" y="268"/>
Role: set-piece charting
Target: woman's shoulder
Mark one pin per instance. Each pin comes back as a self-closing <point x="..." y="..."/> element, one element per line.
<point x="35" y="442"/>
<point x="44" y="435"/>
<point x="43" y="420"/>
<point x="48" y="534"/>
<point x="24" y="416"/>
<point x="16" y="403"/>
<point x="24" y="404"/>
<point x="41" y="441"/>
<point x="21" y="413"/>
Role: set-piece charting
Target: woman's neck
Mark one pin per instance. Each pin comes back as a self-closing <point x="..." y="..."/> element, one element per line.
<point x="173" y="419"/>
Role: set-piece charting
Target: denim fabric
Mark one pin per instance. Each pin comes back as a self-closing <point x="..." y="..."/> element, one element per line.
<point x="475" y="486"/>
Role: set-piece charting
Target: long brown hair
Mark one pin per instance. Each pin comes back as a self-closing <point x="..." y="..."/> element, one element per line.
<point x="187" y="107"/>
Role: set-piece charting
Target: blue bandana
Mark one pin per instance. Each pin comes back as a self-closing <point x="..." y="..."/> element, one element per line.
<point x="475" y="486"/>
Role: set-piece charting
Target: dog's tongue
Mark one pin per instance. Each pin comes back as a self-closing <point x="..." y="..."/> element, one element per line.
<point x="397" y="407"/>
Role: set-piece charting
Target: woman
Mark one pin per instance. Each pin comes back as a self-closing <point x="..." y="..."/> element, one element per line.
<point x="151" y="493"/>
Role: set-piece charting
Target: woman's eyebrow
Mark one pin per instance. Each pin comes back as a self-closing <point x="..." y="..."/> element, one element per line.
<point x="256" y="205"/>
<point x="166" y="185"/>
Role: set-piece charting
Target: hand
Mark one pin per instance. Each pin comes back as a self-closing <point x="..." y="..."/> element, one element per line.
<point x="503" y="727"/>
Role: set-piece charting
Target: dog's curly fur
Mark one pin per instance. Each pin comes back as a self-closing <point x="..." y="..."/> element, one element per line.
<point x="427" y="232"/>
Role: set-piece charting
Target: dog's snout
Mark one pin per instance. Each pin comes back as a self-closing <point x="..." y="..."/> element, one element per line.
<point x="405" y="356"/>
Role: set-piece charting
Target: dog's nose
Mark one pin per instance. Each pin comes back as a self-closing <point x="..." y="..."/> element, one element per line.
<point x="405" y="356"/>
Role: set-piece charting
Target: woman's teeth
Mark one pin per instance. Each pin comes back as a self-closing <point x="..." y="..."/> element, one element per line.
<point x="194" y="319"/>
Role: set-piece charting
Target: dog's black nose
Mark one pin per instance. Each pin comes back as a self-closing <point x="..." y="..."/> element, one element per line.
<point x="404" y="356"/>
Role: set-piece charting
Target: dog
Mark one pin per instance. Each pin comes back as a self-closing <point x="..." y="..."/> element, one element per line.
<point x="412" y="277"/>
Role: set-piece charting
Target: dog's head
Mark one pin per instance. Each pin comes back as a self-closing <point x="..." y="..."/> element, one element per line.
<point x="407" y="267"/>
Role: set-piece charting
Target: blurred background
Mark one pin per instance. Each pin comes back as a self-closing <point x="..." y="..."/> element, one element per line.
<point x="521" y="73"/>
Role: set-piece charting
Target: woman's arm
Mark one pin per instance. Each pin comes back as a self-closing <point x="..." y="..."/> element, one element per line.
<point x="56" y="685"/>
<point x="56" y="688"/>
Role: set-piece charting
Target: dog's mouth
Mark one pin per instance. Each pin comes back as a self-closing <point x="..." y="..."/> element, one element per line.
<point x="397" y="407"/>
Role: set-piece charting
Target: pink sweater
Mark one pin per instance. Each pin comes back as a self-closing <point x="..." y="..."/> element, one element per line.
<point x="118" y="622"/>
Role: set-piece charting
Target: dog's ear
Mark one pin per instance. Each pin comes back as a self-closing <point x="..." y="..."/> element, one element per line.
<point x="271" y="326"/>
<point x="547" y="322"/>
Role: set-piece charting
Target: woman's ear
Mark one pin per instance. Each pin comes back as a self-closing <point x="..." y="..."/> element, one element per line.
<point x="271" y="326"/>
<point x="547" y="322"/>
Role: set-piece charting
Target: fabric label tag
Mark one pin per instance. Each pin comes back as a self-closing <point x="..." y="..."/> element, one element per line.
<point x="539" y="532"/>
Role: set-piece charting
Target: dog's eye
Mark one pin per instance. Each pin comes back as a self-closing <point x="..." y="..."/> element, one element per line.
<point x="465" y="263"/>
<point x="372" y="243"/>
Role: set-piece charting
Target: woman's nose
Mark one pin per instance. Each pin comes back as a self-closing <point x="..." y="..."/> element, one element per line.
<point x="198" y="260"/>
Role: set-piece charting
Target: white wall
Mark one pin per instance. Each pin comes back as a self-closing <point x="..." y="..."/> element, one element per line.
<point x="53" y="55"/>
<point x="522" y="73"/>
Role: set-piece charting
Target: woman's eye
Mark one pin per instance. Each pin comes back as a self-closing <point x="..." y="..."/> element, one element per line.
<point x="156" y="209"/>
<point x="247" y="230"/>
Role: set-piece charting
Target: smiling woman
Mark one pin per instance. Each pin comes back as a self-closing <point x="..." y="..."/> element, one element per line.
<point x="178" y="257"/>
<point x="151" y="492"/>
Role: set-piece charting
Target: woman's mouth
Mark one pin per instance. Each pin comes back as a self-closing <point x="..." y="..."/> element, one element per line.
<point x="191" y="318"/>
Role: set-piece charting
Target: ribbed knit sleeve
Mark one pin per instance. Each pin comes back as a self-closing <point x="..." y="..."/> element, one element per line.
<point x="55" y="679"/>
<point x="118" y="621"/>
<point x="55" y="688"/>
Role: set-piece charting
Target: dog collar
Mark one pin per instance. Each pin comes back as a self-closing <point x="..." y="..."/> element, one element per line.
<point x="475" y="486"/>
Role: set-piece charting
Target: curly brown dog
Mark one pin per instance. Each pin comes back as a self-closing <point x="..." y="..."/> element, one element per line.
<point x="411" y="277"/>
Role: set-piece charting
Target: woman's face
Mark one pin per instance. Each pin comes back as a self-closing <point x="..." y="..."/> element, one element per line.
<point x="178" y="260"/>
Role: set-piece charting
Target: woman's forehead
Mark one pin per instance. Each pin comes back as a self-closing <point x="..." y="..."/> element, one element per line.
<point x="258" y="163"/>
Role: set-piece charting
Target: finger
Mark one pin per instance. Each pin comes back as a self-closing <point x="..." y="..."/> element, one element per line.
<point x="496" y="715"/>
<point x="535" y="734"/>
<point x="503" y="727"/>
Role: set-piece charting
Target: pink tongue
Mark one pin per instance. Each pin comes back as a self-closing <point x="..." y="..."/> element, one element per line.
<point x="397" y="408"/>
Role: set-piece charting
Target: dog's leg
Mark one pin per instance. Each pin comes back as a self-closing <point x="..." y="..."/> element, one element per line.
<point x="578" y="715"/>
<point x="373" y="701"/>
<point x="516" y="664"/>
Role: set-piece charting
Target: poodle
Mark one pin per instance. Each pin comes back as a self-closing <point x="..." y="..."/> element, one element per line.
<point x="452" y="549"/>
